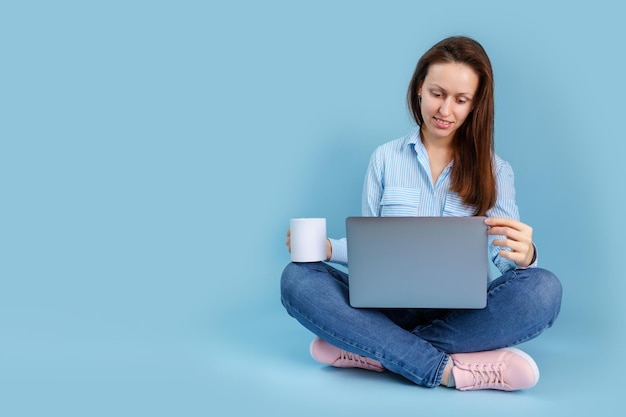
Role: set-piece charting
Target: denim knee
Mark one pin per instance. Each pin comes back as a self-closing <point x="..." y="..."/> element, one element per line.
<point x="543" y="293"/>
<point x="547" y="294"/>
<point x="296" y="281"/>
<point x="289" y="281"/>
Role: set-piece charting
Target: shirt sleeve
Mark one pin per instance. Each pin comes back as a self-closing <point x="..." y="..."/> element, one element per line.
<point x="506" y="207"/>
<point x="339" y="253"/>
<point x="373" y="186"/>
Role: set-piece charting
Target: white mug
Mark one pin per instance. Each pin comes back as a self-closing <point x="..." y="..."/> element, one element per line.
<point x="308" y="239"/>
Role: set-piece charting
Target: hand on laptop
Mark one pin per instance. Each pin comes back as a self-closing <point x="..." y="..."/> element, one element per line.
<point x="516" y="236"/>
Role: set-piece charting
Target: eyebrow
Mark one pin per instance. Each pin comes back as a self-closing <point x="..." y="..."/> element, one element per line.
<point x="469" y="95"/>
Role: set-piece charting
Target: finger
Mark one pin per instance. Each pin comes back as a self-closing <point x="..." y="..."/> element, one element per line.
<point x="521" y="236"/>
<point x="522" y="259"/>
<point x="514" y="245"/>
<point x="516" y="257"/>
<point x="521" y="253"/>
<point x="499" y="224"/>
<point x="504" y="221"/>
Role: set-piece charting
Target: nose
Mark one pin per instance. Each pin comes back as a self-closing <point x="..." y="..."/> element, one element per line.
<point x="444" y="109"/>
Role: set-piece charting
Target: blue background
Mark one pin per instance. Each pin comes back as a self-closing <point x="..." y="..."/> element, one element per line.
<point x="152" y="154"/>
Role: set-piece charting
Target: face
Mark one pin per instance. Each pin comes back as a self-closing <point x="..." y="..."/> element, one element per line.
<point x="447" y="99"/>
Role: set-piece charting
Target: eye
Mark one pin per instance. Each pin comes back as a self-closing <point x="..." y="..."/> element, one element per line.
<point x="436" y="94"/>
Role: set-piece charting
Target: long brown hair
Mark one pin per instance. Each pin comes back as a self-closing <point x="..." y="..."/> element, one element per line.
<point x="472" y="175"/>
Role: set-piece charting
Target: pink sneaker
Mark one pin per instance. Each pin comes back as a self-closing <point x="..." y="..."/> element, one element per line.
<point x="507" y="369"/>
<point x="330" y="355"/>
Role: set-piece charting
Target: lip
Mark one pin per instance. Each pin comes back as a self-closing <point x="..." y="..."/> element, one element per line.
<point x="441" y="123"/>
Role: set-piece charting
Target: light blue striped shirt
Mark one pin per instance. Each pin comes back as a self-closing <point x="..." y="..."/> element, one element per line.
<point x="398" y="182"/>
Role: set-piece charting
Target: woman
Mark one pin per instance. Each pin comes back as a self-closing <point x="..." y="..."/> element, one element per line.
<point x="446" y="168"/>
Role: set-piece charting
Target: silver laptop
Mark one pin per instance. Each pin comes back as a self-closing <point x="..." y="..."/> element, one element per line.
<point x="417" y="262"/>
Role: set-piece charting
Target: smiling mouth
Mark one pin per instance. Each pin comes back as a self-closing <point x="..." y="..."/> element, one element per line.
<point x="441" y="122"/>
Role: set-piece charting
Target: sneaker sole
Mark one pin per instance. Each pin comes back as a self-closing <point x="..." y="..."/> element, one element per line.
<point x="311" y="348"/>
<point x="530" y="360"/>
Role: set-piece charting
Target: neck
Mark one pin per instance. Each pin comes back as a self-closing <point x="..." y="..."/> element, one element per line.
<point x="438" y="146"/>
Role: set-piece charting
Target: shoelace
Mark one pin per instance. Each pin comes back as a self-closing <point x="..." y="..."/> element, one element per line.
<point x="489" y="375"/>
<point x="353" y="357"/>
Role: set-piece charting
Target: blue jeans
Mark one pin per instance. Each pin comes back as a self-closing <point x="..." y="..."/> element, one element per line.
<point x="415" y="343"/>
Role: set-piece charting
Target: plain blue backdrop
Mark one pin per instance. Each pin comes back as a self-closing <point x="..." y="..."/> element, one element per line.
<point x="153" y="152"/>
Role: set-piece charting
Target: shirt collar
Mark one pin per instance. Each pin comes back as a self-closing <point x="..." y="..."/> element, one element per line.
<point x="414" y="140"/>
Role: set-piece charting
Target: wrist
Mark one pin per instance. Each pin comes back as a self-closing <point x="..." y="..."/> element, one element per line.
<point x="329" y="249"/>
